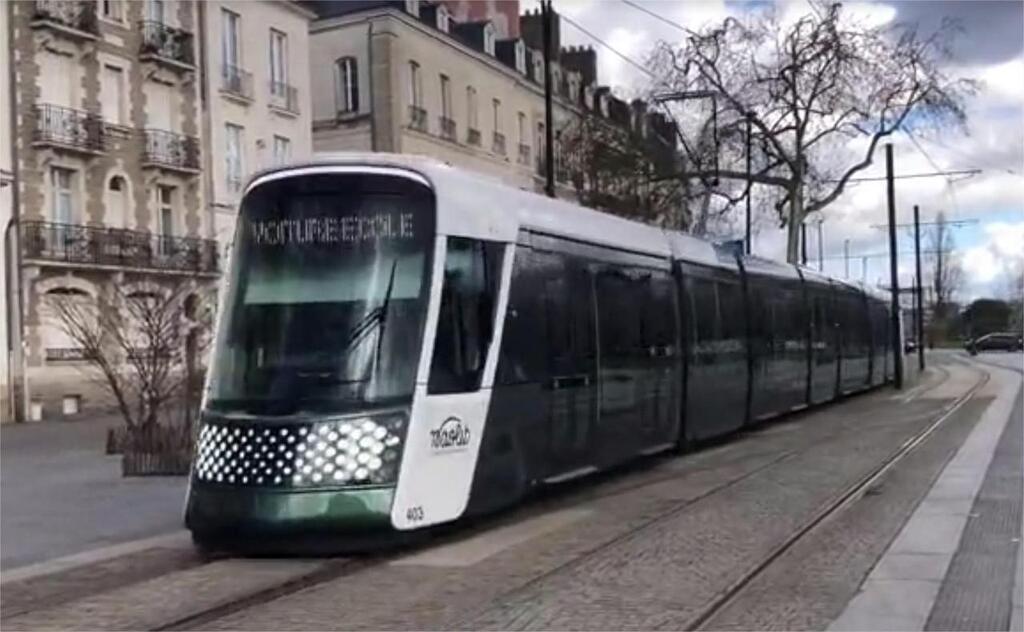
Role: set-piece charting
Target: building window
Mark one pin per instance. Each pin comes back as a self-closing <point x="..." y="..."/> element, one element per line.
<point x="165" y="201"/>
<point x="471" y="113"/>
<point x="113" y="98"/>
<point x="538" y="68"/>
<point x="282" y="150"/>
<point x="117" y="209"/>
<point x="412" y="7"/>
<point x="229" y="41"/>
<point x="489" y="39"/>
<point x="278" y="62"/>
<point x="113" y="10"/>
<point x="521" y="56"/>
<point x="62" y="183"/>
<point x="233" y="157"/>
<point x="446" y="97"/>
<point x="521" y="128"/>
<point x="415" y="85"/>
<point x="346" y="85"/>
<point x="155" y="11"/>
<point x="496" y="105"/>
<point x="442" y="18"/>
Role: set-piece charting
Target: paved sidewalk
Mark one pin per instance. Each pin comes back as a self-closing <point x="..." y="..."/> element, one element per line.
<point x="60" y="494"/>
<point x="955" y="564"/>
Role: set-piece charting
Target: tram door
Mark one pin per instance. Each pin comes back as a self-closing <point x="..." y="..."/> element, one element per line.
<point x="572" y="367"/>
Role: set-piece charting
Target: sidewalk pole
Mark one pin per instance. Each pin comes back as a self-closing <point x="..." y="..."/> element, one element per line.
<point x="920" y="303"/>
<point x="894" y="281"/>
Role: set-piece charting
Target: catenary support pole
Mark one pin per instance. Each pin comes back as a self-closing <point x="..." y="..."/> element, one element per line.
<point x="746" y="241"/>
<point x="846" y="257"/>
<point x="549" y="132"/>
<point x="918" y="297"/>
<point x="894" y="281"/>
<point x="803" y="244"/>
<point x="821" y="246"/>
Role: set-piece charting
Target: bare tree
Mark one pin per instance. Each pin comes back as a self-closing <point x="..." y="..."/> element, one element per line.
<point x="944" y="267"/>
<point x="809" y="88"/>
<point x="136" y="341"/>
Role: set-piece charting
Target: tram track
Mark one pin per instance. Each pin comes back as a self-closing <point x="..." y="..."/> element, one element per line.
<point x="836" y="506"/>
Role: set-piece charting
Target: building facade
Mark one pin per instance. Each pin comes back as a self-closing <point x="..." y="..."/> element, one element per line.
<point x="136" y="124"/>
<point x="257" y="109"/>
<point x="410" y="77"/>
<point x="6" y="216"/>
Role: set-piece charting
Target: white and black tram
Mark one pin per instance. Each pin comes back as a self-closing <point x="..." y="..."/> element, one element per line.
<point x="402" y="344"/>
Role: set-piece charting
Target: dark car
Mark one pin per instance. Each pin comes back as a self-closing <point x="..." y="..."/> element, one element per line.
<point x="996" y="342"/>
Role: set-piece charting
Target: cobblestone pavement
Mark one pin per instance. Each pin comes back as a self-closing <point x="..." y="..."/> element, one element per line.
<point x="60" y="494"/>
<point x="650" y="546"/>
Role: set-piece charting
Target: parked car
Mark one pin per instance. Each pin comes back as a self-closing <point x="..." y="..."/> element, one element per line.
<point x="1002" y="341"/>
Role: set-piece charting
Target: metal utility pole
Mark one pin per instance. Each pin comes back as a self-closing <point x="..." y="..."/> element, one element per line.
<point x="549" y="131"/>
<point x="894" y="280"/>
<point x="846" y="257"/>
<point x="803" y="243"/>
<point x="746" y="241"/>
<point x="920" y="302"/>
<point x="821" y="246"/>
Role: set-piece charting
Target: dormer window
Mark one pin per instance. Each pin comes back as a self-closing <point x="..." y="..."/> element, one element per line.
<point x="604" y="105"/>
<point x="412" y="7"/>
<point x="574" y="87"/>
<point x="538" y="69"/>
<point x="488" y="39"/>
<point x="521" y="57"/>
<point x="588" y="97"/>
<point x="442" y="18"/>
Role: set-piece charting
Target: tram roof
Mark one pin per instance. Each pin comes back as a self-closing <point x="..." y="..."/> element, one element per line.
<point x="477" y="205"/>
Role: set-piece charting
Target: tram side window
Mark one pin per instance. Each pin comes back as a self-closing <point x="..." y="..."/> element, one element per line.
<point x="469" y="294"/>
<point x="705" y="320"/>
<point x="524" y="344"/>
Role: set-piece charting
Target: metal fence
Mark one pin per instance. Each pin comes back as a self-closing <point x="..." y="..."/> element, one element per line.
<point x="75" y="243"/>
<point x="67" y="126"/>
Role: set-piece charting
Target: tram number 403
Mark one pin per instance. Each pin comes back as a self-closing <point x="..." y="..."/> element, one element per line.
<point x="414" y="514"/>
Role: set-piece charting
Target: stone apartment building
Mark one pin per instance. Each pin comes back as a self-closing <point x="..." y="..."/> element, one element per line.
<point x="136" y="122"/>
<point x="459" y="81"/>
<point x="6" y="212"/>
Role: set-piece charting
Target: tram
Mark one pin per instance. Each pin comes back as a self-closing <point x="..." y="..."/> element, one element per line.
<point x="402" y="344"/>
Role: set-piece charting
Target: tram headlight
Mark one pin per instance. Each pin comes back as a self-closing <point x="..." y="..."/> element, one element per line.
<point x="361" y="451"/>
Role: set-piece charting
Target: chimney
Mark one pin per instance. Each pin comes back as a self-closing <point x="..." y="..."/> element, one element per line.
<point x="582" y="60"/>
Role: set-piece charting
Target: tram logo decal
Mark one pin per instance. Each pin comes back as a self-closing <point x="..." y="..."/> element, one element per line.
<point x="450" y="436"/>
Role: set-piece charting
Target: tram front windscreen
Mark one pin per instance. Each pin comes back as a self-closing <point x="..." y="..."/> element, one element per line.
<point x="327" y="296"/>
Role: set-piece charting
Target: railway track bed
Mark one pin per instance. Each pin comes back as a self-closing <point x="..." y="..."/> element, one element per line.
<point x="774" y="528"/>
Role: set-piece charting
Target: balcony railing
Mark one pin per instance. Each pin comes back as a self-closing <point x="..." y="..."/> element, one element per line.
<point x="69" y="128"/>
<point x="524" y="154"/>
<point x="447" y="128"/>
<point x="66" y="354"/>
<point x="498" y="146"/>
<point x="284" y="97"/>
<point x="77" y="15"/>
<point x="236" y="81"/>
<point x="170" y="150"/>
<point x="89" y="245"/>
<point x="166" y="43"/>
<point x="473" y="137"/>
<point x="417" y="118"/>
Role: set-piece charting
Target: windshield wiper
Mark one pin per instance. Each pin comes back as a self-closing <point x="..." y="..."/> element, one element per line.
<point x="375" y="317"/>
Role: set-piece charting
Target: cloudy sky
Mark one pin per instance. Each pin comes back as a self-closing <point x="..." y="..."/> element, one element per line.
<point x="990" y="49"/>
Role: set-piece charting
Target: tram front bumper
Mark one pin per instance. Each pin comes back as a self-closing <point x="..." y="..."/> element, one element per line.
<point x="239" y="517"/>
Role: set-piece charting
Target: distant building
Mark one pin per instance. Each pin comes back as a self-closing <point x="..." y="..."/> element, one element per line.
<point x="257" y="110"/>
<point x="409" y="77"/>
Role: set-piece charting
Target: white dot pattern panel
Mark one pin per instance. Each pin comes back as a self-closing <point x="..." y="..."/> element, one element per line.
<point x="329" y="454"/>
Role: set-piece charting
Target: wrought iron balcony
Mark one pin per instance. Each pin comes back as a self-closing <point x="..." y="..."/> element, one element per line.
<point x="166" y="44"/>
<point x="524" y="154"/>
<point x="171" y="151"/>
<point x="236" y="82"/>
<point x="72" y="17"/>
<point x="96" y="246"/>
<point x="69" y="129"/>
<point x="473" y="137"/>
<point x="417" y="118"/>
<point x="498" y="146"/>
<point x="284" y="97"/>
<point x="66" y="354"/>
<point x="447" y="128"/>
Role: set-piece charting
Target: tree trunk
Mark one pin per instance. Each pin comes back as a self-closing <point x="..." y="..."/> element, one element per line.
<point x="796" y="218"/>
